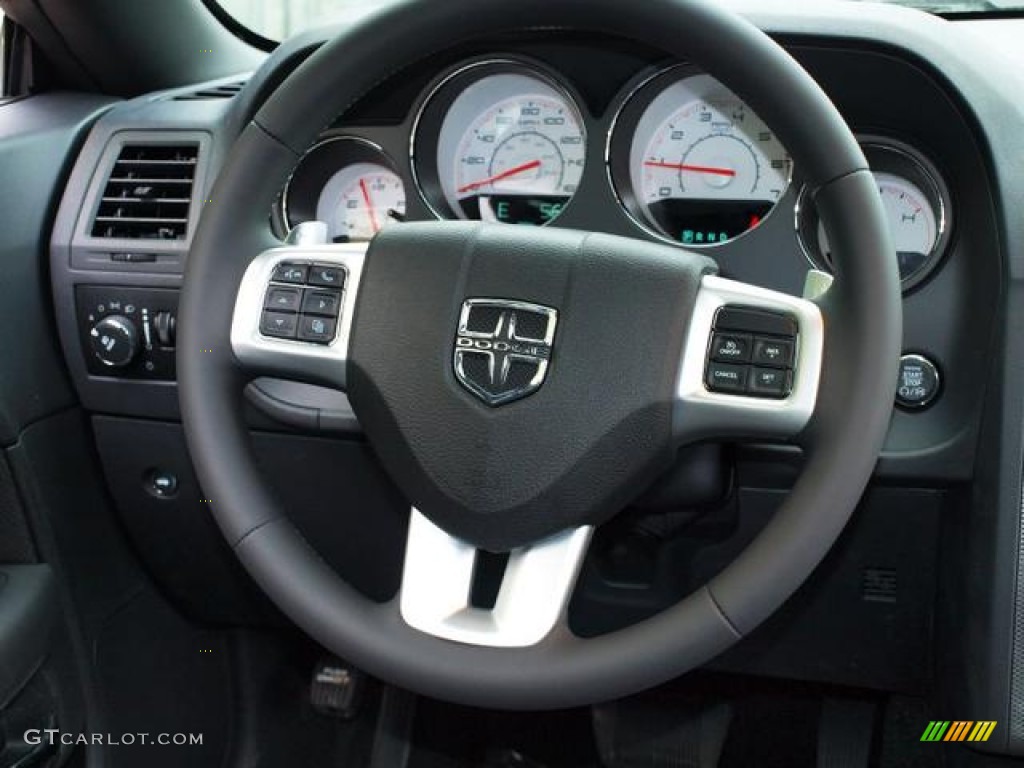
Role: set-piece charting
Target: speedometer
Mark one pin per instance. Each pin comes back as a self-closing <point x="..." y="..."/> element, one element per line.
<point x="510" y="146"/>
<point x="702" y="167"/>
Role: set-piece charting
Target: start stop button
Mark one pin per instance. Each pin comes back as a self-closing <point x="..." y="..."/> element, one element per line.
<point x="918" y="382"/>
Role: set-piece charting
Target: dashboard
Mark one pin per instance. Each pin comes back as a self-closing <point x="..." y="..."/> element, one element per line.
<point x="559" y="129"/>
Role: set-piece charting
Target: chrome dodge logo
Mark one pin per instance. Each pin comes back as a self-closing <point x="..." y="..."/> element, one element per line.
<point x="503" y="348"/>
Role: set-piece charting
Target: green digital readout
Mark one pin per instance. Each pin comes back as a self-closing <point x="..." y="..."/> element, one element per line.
<point x="535" y="210"/>
<point x="690" y="237"/>
<point x="706" y="222"/>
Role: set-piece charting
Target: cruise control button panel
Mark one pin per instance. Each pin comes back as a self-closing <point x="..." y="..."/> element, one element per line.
<point x="303" y="302"/>
<point x="752" y="353"/>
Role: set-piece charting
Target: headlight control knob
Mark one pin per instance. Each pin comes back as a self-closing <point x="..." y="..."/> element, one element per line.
<point x="115" y="341"/>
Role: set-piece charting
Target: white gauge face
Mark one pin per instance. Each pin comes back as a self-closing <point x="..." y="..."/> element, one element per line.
<point x="360" y="200"/>
<point x="703" y="166"/>
<point x="913" y="224"/>
<point x="512" y="150"/>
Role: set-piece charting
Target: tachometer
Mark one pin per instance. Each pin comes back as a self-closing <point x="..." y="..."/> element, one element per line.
<point x="509" y="148"/>
<point x="702" y="167"/>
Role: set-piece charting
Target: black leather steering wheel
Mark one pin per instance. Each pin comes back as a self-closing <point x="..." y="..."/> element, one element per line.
<point x="535" y="475"/>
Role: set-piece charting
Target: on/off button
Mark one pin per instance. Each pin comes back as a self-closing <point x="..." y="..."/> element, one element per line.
<point x="730" y="348"/>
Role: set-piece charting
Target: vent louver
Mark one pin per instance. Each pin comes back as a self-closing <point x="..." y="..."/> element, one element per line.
<point x="149" y="193"/>
<point x="226" y="91"/>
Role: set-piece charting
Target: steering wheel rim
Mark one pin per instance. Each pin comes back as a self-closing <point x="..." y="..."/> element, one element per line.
<point x="862" y="326"/>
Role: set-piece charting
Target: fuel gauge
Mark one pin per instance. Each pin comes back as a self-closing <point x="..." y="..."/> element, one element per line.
<point x="917" y="208"/>
<point x="360" y="200"/>
<point x="350" y="184"/>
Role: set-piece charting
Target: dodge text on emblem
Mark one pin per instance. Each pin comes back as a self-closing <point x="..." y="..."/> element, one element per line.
<point x="503" y="348"/>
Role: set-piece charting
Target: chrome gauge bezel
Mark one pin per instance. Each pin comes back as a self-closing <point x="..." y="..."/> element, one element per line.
<point x="326" y="158"/>
<point x="895" y="157"/>
<point x="618" y="152"/>
<point x="442" y="94"/>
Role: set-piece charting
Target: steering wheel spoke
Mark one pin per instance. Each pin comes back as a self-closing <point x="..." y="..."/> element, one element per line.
<point x="535" y="588"/>
<point x="293" y="314"/>
<point x="751" y="365"/>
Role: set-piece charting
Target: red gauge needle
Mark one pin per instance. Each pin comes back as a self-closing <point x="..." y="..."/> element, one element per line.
<point x="499" y="176"/>
<point x="369" y="206"/>
<point x="693" y="168"/>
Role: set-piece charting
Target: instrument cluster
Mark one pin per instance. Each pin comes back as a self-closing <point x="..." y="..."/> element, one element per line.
<point x="685" y="161"/>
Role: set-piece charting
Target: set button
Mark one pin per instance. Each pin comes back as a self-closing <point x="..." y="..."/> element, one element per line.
<point x="770" y="382"/>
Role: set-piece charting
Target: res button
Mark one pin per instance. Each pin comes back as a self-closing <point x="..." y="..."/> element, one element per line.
<point x="777" y="353"/>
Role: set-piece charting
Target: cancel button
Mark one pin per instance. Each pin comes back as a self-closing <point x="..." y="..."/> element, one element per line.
<point x="723" y="377"/>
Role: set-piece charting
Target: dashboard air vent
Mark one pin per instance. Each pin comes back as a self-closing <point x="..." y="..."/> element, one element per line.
<point x="149" y="192"/>
<point x="226" y="91"/>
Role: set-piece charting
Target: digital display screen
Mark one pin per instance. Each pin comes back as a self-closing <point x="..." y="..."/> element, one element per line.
<point x="707" y="222"/>
<point x="535" y="210"/>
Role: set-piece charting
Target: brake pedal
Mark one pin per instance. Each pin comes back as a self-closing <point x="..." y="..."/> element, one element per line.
<point x="661" y="735"/>
<point x="845" y="732"/>
<point x="336" y="689"/>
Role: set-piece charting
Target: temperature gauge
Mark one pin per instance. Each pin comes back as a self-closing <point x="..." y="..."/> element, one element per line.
<point x="916" y="204"/>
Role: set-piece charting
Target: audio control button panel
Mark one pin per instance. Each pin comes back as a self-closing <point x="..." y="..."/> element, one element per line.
<point x="128" y="332"/>
<point x="303" y="302"/>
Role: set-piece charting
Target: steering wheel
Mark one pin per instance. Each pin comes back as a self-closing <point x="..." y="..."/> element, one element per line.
<point x="603" y="347"/>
